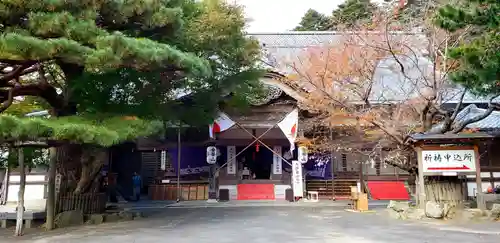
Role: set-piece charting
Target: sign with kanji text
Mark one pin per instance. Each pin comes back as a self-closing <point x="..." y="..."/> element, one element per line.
<point x="449" y="161"/>
<point x="277" y="169"/>
<point x="231" y="160"/>
<point x="163" y="160"/>
<point x="297" y="182"/>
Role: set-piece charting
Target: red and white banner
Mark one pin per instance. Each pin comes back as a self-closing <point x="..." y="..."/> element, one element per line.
<point x="222" y="123"/>
<point x="289" y="126"/>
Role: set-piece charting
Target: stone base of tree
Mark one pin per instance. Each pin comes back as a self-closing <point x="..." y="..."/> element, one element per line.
<point x="76" y="218"/>
<point x="87" y="203"/>
<point x="440" y="211"/>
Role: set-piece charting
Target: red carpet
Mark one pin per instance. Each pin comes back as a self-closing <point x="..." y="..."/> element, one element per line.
<point x="255" y="191"/>
<point x="388" y="190"/>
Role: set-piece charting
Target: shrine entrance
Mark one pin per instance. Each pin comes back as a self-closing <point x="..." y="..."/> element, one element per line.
<point x="256" y="157"/>
<point x="257" y="160"/>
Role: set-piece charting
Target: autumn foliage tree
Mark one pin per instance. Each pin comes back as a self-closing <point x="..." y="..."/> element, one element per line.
<point x="385" y="82"/>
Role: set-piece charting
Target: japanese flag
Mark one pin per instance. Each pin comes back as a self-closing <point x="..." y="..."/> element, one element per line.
<point x="222" y="123"/>
<point x="289" y="126"/>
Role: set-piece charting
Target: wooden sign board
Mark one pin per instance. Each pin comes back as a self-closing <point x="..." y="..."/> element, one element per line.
<point x="449" y="160"/>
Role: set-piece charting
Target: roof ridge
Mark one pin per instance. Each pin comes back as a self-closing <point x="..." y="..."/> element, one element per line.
<point x="330" y="32"/>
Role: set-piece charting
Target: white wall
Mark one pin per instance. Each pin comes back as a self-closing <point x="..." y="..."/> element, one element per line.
<point x="32" y="192"/>
<point x="472" y="186"/>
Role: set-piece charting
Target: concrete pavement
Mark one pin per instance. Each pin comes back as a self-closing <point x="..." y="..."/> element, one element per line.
<point x="266" y="224"/>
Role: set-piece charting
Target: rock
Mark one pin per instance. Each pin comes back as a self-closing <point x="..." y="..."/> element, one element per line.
<point x="434" y="210"/>
<point x="450" y="211"/>
<point x="125" y="215"/>
<point x="138" y="215"/>
<point x="398" y="206"/>
<point x="495" y="211"/>
<point x="96" y="219"/>
<point x="114" y="217"/>
<point x="471" y="214"/>
<point x="393" y="214"/>
<point x="415" y="213"/>
<point x="69" y="218"/>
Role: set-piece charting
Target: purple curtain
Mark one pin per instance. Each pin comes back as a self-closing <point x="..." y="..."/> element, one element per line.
<point x="193" y="160"/>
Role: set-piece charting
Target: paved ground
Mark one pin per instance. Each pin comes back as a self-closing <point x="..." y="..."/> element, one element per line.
<point x="199" y="223"/>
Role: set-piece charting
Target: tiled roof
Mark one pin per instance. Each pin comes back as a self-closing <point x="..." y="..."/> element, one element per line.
<point x="491" y="122"/>
<point x="284" y="49"/>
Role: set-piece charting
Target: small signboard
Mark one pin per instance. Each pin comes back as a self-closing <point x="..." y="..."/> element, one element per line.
<point x="277" y="170"/>
<point x="163" y="164"/>
<point x="297" y="182"/>
<point x="231" y="160"/>
<point x="449" y="161"/>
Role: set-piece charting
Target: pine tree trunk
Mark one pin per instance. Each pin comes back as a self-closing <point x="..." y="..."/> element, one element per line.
<point x="20" y="197"/>
<point x="79" y="167"/>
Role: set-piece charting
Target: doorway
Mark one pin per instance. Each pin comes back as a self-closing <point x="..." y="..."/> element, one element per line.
<point x="259" y="162"/>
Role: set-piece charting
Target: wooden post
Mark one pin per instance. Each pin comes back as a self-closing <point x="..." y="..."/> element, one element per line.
<point x="20" y="195"/>
<point x="481" y="204"/>
<point x="361" y="178"/>
<point x="5" y="185"/>
<point x="332" y="160"/>
<point x="490" y="164"/>
<point x="421" y="182"/>
<point x="51" y="187"/>
<point x="179" y="163"/>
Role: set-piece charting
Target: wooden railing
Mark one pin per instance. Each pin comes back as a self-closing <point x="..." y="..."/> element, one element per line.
<point x="88" y="203"/>
<point x="341" y="187"/>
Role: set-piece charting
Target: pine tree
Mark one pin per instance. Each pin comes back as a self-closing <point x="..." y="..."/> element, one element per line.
<point x="124" y="57"/>
<point x="352" y="12"/>
<point x="109" y="70"/>
<point x="314" y="21"/>
<point x="348" y="14"/>
<point x="479" y="57"/>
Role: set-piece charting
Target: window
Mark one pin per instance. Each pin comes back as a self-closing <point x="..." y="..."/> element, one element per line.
<point x="344" y="162"/>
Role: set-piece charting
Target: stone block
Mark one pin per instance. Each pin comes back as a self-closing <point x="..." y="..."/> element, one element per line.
<point x="69" y="218"/>
<point x="95" y="219"/>
<point x="434" y="210"/>
<point x="495" y="211"/>
<point x="125" y="215"/>
<point x="399" y="206"/>
<point x="113" y="217"/>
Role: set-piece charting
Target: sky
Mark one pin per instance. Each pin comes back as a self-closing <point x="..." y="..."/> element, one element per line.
<point x="281" y="15"/>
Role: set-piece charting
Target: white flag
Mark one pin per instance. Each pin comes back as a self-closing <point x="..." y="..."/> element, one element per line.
<point x="222" y="123"/>
<point x="289" y="126"/>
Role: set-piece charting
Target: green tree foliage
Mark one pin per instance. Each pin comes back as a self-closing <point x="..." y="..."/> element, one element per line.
<point x="212" y="30"/>
<point x="124" y="57"/>
<point x="479" y="56"/>
<point x="351" y="13"/>
<point x="314" y="21"/>
<point x="347" y="15"/>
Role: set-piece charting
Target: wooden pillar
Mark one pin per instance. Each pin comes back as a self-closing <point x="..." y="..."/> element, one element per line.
<point x="421" y="179"/>
<point x="20" y="195"/>
<point x="179" y="151"/>
<point x="481" y="204"/>
<point x="490" y="163"/>
<point x="332" y="161"/>
<point x="51" y="187"/>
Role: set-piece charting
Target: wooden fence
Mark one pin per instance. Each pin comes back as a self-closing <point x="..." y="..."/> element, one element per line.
<point x="88" y="203"/>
